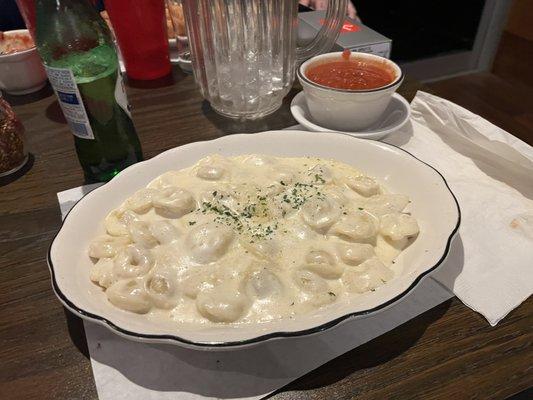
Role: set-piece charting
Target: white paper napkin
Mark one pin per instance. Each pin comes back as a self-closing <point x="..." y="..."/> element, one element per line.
<point x="489" y="269"/>
<point x="491" y="174"/>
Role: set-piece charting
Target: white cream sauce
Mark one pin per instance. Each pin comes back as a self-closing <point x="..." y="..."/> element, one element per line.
<point x="250" y="239"/>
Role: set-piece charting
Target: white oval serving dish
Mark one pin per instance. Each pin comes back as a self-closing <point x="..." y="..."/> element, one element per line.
<point x="433" y="205"/>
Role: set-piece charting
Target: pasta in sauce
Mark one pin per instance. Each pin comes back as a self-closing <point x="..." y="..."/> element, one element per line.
<point x="250" y="239"/>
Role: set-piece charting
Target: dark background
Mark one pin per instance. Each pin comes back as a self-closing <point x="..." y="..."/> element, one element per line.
<point x="419" y="28"/>
<point x="9" y="16"/>
<point x="422" y="29"/>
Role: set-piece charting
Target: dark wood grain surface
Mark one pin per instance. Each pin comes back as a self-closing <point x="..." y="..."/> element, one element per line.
<point x="448" y="352"/>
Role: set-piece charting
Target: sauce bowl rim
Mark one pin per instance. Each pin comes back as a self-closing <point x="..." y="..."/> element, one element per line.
<point x="397" y="70"/>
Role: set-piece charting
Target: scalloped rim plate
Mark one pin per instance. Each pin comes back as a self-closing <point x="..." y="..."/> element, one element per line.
<point x="433" y="204"/>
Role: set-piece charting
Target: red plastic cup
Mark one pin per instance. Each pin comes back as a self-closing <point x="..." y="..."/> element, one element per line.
<point x="27" y="10"/>
<point x="141" y="31"/>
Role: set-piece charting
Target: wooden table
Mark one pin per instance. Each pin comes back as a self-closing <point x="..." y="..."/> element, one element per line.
<point x="448" y="352"/>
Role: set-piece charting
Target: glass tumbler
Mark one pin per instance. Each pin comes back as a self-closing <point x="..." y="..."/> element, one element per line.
<point x="244" y="52"/>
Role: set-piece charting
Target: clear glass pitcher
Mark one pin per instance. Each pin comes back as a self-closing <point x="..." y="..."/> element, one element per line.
<point x="244" y="51"/>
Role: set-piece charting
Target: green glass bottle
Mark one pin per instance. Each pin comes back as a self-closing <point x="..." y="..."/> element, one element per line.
<point x="82" y="66"/>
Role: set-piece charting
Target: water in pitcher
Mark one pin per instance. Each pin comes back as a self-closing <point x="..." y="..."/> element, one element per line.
<point x="244" y="51"/>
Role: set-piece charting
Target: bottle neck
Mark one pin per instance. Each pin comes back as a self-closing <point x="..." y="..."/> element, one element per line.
<point x="67" y="26"/>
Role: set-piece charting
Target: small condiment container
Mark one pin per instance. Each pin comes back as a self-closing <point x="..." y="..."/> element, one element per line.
<point x="21" y="72"/>
<point x="344" y="109"/>
<point x="13" y="154"/>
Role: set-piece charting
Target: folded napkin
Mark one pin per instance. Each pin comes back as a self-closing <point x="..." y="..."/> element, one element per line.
<point x="491" y="174"/>
<point x="489" y="269"/>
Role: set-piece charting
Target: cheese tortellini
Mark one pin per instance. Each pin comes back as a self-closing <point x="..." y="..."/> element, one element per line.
<point x="208" y="242"/>
<point x="174" y="202"/>
<point x="129" y="295"/>
<point x="262" y="249"/>
<point x="310" y="282"/>
<point x="359" y="226"/>
<point x="102" y="272"/>
<point x="141" y="234"/>
<point x="141" y="201"/>
<point x="398" y="226"/>
<point x="368" y="276"/>
<point x="355" y="253"/>
<point x="107" y="246"/>
<point x="320" y="213"/>
<point x="249" y="239"/>
<point x="386" y="203"/>
<point x="364" y="185"/>
<point x="323" y="264"/>
<point x="117" y="222"/>
<point x="164" y="232"/>
<point x="264" y="284"/>
<point x="195" y="281"/>
<point x="132" y="261"/>
<point x="222" y="304"/>
<point x="212" y="168"/>
<point x="161" y="288"/>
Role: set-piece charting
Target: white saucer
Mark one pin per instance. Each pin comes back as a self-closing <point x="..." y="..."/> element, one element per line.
<point x="395" y="116"/>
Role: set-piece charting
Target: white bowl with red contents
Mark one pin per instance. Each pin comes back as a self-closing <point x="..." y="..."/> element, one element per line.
<point x="21" y="71"/>
<point x="347" y="109"/>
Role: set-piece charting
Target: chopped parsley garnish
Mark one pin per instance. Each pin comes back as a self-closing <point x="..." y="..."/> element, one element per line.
<point x="318" y="178"/>
<point x="254" y="215"/>
<point x="248" y="211"/>
<point x="192" y="222"/>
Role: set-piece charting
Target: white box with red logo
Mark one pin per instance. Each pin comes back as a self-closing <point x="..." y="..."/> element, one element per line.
<point x="354" y="35"/>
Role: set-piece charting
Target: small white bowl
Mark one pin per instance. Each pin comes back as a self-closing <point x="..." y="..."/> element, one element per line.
<point x="21" y="72"/>
<point x="395" y="116"/>
<point x="347" y="110"/>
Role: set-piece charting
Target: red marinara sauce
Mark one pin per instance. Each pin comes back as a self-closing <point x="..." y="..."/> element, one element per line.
<point x="351" y="73"/>
<point x="15" y="42"/>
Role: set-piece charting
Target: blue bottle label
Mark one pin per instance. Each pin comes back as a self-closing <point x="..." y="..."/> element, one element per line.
<point x="62" y="80"/>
